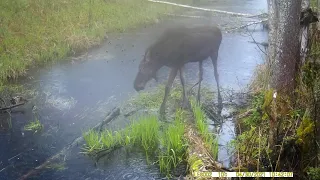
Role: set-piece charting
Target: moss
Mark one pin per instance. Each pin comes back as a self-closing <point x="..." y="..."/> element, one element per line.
<point x="313" y="173"/>
<point x="305" y="131"/>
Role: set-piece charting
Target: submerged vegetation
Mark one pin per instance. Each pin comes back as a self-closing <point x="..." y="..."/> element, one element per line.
<point x="34" y="126"/>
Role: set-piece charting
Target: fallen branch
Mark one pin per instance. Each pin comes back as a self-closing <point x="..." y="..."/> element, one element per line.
<point x="210" y="10"/>
<point x="15" y="101"/>
<point x="64" y="152"/>
<point x="249" y="24"/>
<point x="11" y="107"/>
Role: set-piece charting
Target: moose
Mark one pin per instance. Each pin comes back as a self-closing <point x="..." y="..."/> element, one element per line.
<point x="176" y="47"/>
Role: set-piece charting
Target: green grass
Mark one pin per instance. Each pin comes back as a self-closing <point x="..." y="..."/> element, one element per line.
<point x="110" y="140"/>
<point x="174" y="145"/>
<point x="202" y="127"/>
<point x="144" y="133"/>
<point x="34" y="126"/>
<point x="92" y="139"/>
<point x="36" y="32"/>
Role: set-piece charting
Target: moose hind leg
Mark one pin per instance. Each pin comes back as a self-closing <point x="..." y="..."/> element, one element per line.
<point x="185" y="102"/>
<point x="173" y="74"/>
<point x="200" y="79"/>
<point x="214" y="58"/>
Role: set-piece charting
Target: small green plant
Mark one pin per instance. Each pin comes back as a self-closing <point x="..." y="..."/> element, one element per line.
<point x="34" y="126"/>
<point x="195" y="163"/>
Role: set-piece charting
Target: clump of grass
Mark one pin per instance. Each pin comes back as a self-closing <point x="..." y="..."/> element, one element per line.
<point x="34" y="126"/>
<point x="110" y="140"/>
<point x="92" y="139"/>
<point x="174" y="145"/>
<point x="145" y="133"/>
<point x="202" y="126"/>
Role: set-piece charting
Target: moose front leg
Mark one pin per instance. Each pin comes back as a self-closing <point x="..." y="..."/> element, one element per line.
<point x="173" y="74"/>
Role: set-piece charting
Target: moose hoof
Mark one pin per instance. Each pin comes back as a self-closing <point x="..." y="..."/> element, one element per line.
<point x="186" y="104"/>
<point x="162" y="113"/>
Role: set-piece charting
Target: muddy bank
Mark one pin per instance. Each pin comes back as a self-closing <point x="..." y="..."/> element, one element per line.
<point x="74" y="96"/>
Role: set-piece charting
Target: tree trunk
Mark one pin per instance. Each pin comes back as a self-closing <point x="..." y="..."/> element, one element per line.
<point x="318" y="10"/>
<point x="284" y="53"/>
<point x="273" y="27"/>
<point x="287" y="47"/>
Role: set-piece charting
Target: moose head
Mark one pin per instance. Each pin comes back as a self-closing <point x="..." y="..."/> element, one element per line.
<point x="147" y="71"/>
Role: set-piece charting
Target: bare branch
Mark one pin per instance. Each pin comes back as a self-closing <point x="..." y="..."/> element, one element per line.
<point x="11" y="107"/>
<point x="246" y="25"/>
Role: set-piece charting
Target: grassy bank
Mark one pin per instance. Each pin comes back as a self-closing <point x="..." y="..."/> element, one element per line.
<point x="35" y="32"/>
<point x="184" y="140"/>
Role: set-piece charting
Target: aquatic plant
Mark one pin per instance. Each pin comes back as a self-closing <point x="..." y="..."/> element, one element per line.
<point x="34" y="126"/>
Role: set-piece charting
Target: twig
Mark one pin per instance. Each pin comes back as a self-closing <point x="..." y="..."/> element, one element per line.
<point x="246" y="25"/>
<point x="205" y="9"/>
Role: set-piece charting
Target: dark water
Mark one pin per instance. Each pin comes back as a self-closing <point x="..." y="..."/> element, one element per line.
<point x="76" y="95"/>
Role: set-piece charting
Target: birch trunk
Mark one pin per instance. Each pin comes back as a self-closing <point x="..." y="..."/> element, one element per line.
<point x="304" y="35"/>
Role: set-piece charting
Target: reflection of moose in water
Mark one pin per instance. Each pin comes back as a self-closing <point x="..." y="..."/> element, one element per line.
<point x="176" y="47"/>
